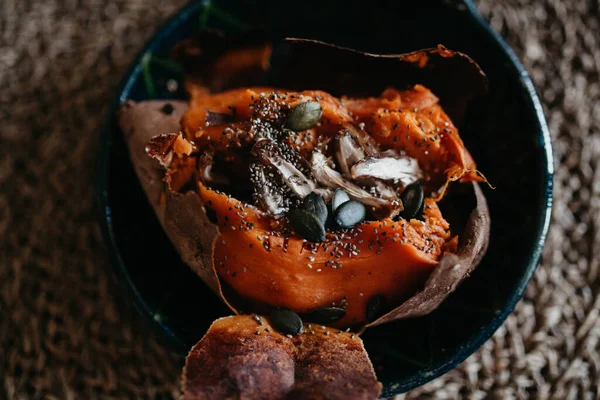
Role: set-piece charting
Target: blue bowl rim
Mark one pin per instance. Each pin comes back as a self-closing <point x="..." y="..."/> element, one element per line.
<point x="474" y="342"/>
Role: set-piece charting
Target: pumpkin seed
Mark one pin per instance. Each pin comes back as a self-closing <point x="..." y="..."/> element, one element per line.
<point x="286" y="321"/>
<point x="325" y="315"/>
<point x="413" y="200"/>
<point x="339" y="198"/>
<point x="375" y="307"/>
<point x="313" y="203"/>
<point x="350" y="214"/>
<point x="304" y="116"/>
<point x="307" y="225"/>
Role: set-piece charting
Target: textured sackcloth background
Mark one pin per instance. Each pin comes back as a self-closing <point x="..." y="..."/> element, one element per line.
<point x="64" y="335"/>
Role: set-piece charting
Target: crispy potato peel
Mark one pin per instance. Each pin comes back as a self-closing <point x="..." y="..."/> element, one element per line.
<point x="242" y="358"/>
<point x="182" y="216"/>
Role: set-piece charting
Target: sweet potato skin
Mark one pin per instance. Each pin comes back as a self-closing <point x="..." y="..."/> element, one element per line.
<point x="454" y="266"/>
<point x="181" y="215"/>
<point x="243" y="357"/>
<point x="232" y="361"/>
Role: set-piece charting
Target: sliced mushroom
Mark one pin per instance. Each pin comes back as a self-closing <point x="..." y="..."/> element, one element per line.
<point x="329" y="177"/>
<point x="379" y="188"/>
<point x="215" y="118"/>
<point x="351" y="146"/>
<point x="206" y="172"/>
<point x="288" y="165"/>
<point x="347" y="152"/>
<point x="366" y="141"/>
<point x="388" y="166"/>
<point x="268" y="195"/>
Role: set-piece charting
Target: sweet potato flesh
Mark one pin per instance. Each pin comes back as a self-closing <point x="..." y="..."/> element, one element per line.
<point x="266" y="265"/>
<point x="411" y="121"/>
<point x="393" y="258"/>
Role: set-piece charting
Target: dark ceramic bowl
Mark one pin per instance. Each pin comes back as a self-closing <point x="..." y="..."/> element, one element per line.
<point x="513" y="150"/>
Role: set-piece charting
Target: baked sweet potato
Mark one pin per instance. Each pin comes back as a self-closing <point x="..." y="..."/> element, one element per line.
<point x="249" y="193"/>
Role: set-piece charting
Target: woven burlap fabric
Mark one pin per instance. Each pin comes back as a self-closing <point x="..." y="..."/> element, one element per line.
<point x="63" y="332"/>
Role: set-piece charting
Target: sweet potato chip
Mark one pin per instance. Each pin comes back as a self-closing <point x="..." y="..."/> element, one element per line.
<point x="244" y="357"/>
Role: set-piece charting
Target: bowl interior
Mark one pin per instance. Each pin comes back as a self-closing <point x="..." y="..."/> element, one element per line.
<point x="505" y="131"/>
